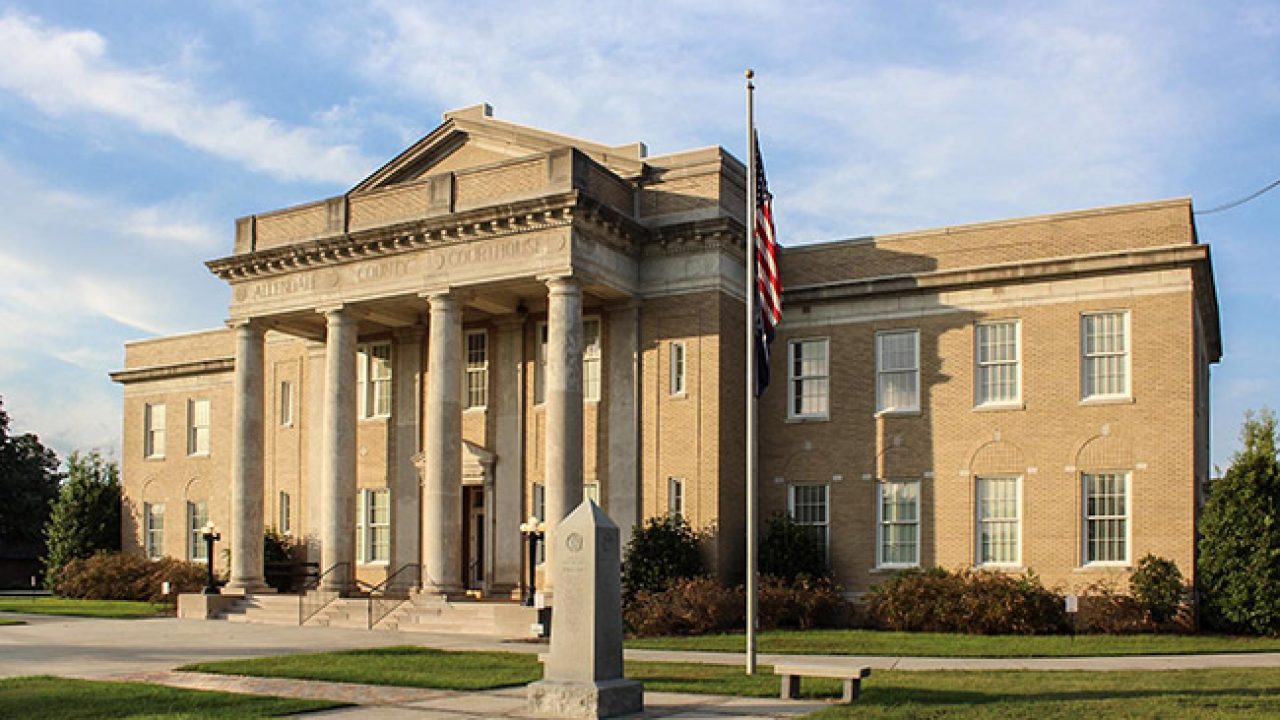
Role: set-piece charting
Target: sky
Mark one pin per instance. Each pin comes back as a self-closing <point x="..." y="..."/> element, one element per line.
<point x="132" y="134"/>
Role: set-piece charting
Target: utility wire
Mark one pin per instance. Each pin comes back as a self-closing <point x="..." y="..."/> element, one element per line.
<point x="1241" y="201"/>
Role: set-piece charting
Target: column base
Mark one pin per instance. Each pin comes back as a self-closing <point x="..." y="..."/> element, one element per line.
<point x="609" y="698"/>
<point x="250" y="586"/>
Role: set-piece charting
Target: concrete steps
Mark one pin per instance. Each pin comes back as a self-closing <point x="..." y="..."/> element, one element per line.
<point x="463" y="617"/>
<point x="264" y="609"/>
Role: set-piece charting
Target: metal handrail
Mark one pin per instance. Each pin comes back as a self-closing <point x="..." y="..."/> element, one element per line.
<point x="386" y="596"/>
<point x="308" y="605"/>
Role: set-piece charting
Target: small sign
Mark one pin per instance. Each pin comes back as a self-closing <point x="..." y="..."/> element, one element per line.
<point x="164" y="588"/>
<point x="1072" y="603"/>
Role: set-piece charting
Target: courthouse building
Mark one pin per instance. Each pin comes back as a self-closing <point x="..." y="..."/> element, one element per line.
<point x="502" y="321"/>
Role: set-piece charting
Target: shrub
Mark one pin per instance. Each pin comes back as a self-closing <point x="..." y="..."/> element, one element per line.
<point x="119" y="576"/>
<point x="972" y="601"/>
<point x="789" y="550"/>
<point x="1104" y="609"/>
<point x="662" y="550"/>
<point x="281" y="554"/>
<point x="1157" y="585"/>
<point x="687" y="606"/>
<point x="86" y="515"/>
<point x="803" y="603"/>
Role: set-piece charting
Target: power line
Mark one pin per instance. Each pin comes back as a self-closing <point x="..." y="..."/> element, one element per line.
<point x="1241" y="201"/>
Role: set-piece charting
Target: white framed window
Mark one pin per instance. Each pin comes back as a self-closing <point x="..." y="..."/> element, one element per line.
<point x="373" y="370"/>
<point x="540" y="366"/>
<point x="807" y="378"/>
<point x="677" y="358"/>
<point x="675" y="497"/>
<point x="999" y="516"/>
<point x="898" y="524"/>
<point x="898" y="371"/>
<point x="808" y="507"/>
<point x="153" y="424"/>
<point x="539" y="511"/>
<point x="591" y="491"/>
<point x="1106" y="518"/>
<point x="153" y="529"/>
<point x="1104" y="348"/>
<point x="373" y="526"/>
<point x="999" y="362"/>
<point x="591" y="359"/>
<point x="286" y="403"/>
<point x="197" y="427"/>
<point x="476" y="393"/>
<point x="286" y="514"/>
<point x="197" y="518"/>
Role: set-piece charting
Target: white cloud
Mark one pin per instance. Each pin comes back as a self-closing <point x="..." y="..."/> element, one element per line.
<point x="70" y="71"/>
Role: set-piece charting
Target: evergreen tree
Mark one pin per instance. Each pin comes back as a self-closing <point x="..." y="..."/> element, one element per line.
<point x="86" y="515"/>
<point x="1240" y="536"/>
<point x="28" y="485"/>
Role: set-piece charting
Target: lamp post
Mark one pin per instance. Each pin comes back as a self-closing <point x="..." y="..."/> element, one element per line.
<point x="533" y="530"/>
<point x="210" y="537"/>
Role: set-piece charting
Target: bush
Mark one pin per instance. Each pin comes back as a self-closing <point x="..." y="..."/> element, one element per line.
<point x="662" y="550"/>
<point x="118" y="576"/>
<point x="971" y="601"/>
<point x="86" y="516"/>
<point x="1157" y="585"/>
<point x="789" y="550"/>
<point x="281" y="555"/>
<point x="803" y="603"/>
<point x="688" y="606"/>
<point x="1104" y="609"/>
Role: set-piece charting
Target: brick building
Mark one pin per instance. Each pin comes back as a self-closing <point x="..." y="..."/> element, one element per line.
<point x="503" y="320"/>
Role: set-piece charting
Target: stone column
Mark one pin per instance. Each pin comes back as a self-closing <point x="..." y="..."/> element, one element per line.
<point x="247" y="461"/>
<point x="406" y="489"/>
<point x="338" y="449"/>
<point x="624" y="420"/>
<point x="442" y="451"/>
<point x="313" y="387"/>
<point x="563" y="405"/>
<point x="508" y="430"/>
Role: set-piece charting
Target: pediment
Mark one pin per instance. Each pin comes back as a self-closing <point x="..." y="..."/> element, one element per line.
<point x="471" y="137"/>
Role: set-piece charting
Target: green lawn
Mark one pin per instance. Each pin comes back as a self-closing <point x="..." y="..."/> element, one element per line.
<point x="83" y="608"/>
<point x="874" y="642"/>
<point x="36" y="698"/>
<point x="9" y="621"/>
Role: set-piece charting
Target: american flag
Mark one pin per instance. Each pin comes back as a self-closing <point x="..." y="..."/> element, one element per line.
<point x="768" y="284"/>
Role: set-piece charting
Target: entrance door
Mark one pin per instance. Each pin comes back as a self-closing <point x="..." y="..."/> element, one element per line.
<point x="473" y="537"/>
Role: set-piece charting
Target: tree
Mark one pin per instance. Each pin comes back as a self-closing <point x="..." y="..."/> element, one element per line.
<point x="661" y="550"/>
<point x="789" y="550"/>
<point x="86" y="515"/>
<point x="28" y="485"/>
<point x="1240" y="536"/>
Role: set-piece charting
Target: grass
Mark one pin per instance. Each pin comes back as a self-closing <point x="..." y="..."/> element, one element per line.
<point x="116" y="609"/>
<point x="875" y="642"/>
<point x="7" y="621"/>
<point x="37" y="698"/>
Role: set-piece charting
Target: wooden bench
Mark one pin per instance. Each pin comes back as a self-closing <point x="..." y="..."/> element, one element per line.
<point x="792" y="672"/>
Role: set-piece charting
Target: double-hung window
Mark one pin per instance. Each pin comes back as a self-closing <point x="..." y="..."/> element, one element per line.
<point x="197" y="518"/>
<point x="286" y="513"/>
<point x="373" y="370"/>
<point x="373" y="526"/>
<point x="591" y="359"/>
<point x="1106" y="518"/>
<point x="1104" y="340"/>
<point x="999" y="521"/>
<point x="898" y="527"/>
<point x="898" y="371"/>
<point x="286" y="403"/>
<point x="998" y="360"/>
<point x="808" y="378"/>
<point x="477" y="371"/>
<point x="198" y="427"/>
<point x="678" y="352"/>
<point x="153" y="439"/>
<point x="808" y="507"/>
<point x="153" y="529"/>
<point x="675" y="497"/>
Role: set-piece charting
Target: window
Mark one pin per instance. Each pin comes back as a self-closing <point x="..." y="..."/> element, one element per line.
<point x="153" y="529"/>
<point x="540" y="512"/>
<point x="999" y="528"/>
<point x="154" y="437"/>
<point x="591" y="359"/>
<point x="477" y="379"/>
<point x="808" y="506"/>
<point x="373" y="526"/>
<point x="677" y="368"/>
<point x="197" y="518"/>
<point x="807" y="378"/>
<point x="197" y="427"/>
<point x="1106" y="518"/>
<point x="286" y="403"/>
<point x="286" y="516"/>
<point x="999" y="356"/>
<point x="898" y="544"/>
<point x="591" y="491"/>
<point x="373" y="368"/>
<point x="898" y="371"/>
<point x="540" y="369"/>
<point x="1105" y="347"/>
<point x="675" y="497"/>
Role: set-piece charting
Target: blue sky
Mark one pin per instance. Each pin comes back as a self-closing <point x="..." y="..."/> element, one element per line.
<point x="133" y="133"/>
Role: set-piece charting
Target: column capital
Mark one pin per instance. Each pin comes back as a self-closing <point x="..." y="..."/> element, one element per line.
<point x="444" y="293"/>
<point x="250" y="323"/>
<point x="562" y="284"/>
<point x="337" y="312"/>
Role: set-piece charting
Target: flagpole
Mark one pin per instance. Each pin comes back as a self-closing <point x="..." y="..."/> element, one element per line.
<point x="750" y="247"/>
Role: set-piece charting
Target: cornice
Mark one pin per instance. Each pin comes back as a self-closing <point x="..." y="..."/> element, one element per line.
<point x="177" y="370"/>
<point x="721" y="233"/>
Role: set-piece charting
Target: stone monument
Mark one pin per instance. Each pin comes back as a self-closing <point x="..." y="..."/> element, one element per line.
<point x="583" y="674"/>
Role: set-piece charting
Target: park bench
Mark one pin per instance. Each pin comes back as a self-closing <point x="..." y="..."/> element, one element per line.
<point x="792" y="672"/>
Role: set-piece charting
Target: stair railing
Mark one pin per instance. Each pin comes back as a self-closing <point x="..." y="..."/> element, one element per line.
<point x="315" y="599"/>
<point x="393" y="592"/>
